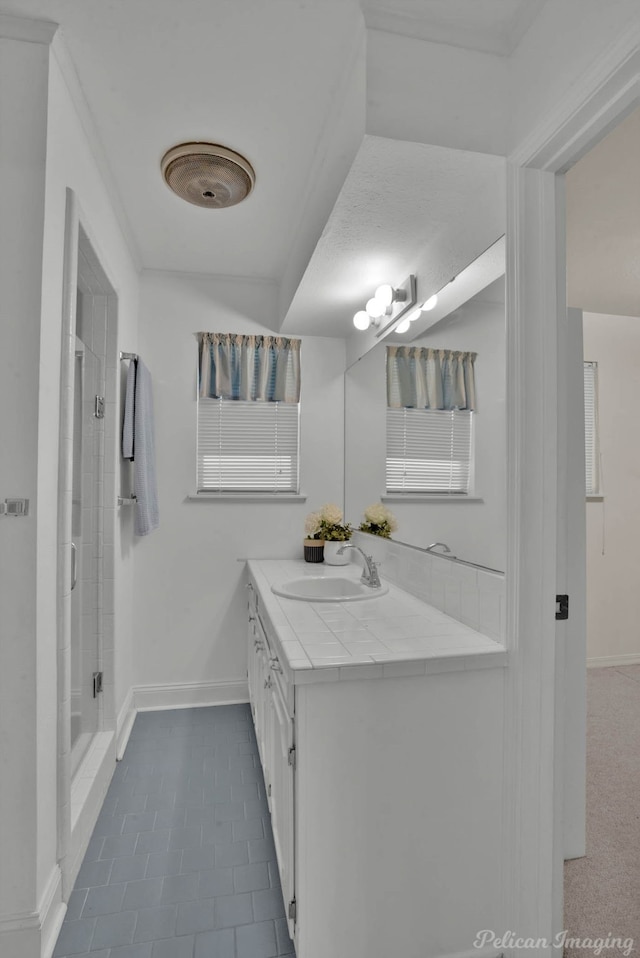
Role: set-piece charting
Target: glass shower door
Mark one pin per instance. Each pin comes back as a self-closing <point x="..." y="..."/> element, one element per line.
<point x="85" y="611"/>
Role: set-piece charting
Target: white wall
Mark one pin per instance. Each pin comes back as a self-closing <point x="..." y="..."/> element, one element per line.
<point x="475" y="531"/>
<point x="190" y="604"/>
<point x="38" y="120"/>
<point x="23" y="101"/>
<point x="613" y="525"/>
<point x="435" y="93"/>
<point x="560" y="46"/>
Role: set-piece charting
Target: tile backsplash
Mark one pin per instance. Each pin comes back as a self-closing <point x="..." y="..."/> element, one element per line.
<point x="470" y="595"/>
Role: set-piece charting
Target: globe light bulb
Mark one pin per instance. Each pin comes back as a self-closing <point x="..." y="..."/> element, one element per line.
<point x="403" y="326"/>
<point x="375" y="308"/>
<point x="416" y="314"/>
<point x="361" y="320"/>
<point x="384" y="294"/>
<point x="431" y="303"/>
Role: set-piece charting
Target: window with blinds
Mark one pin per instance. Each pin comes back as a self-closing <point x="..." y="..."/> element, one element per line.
<point x="247" y="446"/>
<point x="429" y="451"/>
<point x="591" y="443"/>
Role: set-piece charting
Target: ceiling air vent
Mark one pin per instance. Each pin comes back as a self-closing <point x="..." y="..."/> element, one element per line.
<point x="208" y="175"/>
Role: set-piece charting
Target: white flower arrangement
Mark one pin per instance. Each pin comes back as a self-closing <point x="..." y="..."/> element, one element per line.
<point x="378" y="521"/>
<point x="327" y="524"/>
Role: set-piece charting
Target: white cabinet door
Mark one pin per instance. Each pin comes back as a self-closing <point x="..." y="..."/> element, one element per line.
<point x="259" y="680"/>
<point x="282" y="767"/>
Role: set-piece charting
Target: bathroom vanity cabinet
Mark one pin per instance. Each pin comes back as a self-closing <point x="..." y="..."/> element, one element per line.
<point x="383" y="777"/>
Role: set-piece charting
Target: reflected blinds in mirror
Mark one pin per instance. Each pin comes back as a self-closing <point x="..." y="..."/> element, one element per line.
<point x="592" y="472"/>
<point x="430" y="398"/>
<point x="429" y="451"/>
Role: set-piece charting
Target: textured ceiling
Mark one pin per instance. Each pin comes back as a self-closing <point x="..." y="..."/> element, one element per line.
<point x="603" y="224"/>
<point x="404" y="207"/>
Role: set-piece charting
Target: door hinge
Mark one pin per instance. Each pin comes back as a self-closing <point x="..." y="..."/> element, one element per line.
<point x="98" y="409"/>
<point x="292" y="910"/>
<point x="562" y="607"/>
<point x="292" y="756"/>
<point x="97" y="684"/>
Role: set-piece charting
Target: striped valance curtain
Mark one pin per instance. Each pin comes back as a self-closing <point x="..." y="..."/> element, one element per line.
<point x="424" y="378"/>
<point x="262" y="368"/>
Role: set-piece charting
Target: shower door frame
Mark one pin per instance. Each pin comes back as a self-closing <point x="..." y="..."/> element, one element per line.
<point x="76" y="797"/>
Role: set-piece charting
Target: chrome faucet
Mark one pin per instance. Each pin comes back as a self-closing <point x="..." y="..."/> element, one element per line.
<point x="369" y="575"/>
<point x="435" y="545"/>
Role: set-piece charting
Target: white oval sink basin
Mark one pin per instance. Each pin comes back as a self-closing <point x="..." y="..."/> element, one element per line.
<point x="319" y="588"/>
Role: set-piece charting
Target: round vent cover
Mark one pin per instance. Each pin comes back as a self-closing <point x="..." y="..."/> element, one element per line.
<point x="208" y="175"/>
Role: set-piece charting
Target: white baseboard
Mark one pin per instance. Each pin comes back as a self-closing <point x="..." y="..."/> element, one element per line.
<point x="52" y="912"/>
<point x="603" y="661"/>
<point x="124" y="724"/>
<point x="35" y="933"/>
<point x="190" y="694"/>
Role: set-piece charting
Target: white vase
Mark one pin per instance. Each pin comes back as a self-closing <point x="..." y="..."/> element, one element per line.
<point x="331" y="556"/>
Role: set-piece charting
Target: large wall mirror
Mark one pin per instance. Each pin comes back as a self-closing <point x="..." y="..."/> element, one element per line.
<point x="437" y="213"/>
<point x="472" y="525"/>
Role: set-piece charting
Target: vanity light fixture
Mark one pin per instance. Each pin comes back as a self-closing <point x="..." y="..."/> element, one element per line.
<point x="426" y="307"/>
<point x="362" y="320"/>
<point x="430" y="304"/>
<point x="389" y="303"/>
<point x="375" y="308"/>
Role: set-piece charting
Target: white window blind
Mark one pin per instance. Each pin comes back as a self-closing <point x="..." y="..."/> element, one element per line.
<point x="592" y="450"/>
<point x="429" y="450"/>
<point x="247" y="446"/>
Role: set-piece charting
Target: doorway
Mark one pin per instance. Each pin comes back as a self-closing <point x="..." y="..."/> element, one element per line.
<point x="89" y="403"/>
<point x="602" y="213"/>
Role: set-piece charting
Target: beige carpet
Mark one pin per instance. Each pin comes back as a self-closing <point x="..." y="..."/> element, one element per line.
<point x="602" y="890"/>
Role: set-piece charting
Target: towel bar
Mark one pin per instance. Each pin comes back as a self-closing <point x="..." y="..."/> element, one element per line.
<point x="128" y="355"/>
<point x="127" y="500"/>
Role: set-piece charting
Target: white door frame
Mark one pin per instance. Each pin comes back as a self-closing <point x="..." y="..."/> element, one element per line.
<point x="536" y="303"/>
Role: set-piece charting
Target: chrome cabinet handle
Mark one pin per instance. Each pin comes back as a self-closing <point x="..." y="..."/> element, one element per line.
<point x="74" y="566"/>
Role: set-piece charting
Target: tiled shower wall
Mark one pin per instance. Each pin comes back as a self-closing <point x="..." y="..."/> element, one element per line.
<point x="469" y="594"/>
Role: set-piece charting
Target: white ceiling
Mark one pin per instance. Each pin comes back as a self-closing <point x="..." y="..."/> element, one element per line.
<point x="266" y="79"/>
<point x="490" y="26"/>
<point x="603" y="224"/>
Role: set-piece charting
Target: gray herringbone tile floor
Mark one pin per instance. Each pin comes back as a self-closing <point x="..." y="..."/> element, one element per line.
<point x="181" y="863"/>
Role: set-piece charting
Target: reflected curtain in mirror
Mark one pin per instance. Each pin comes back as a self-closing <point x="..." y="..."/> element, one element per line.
<point x="424" y="378"/>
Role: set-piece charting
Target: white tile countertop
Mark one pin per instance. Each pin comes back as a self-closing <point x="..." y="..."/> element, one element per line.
<point x="395" y="634"/>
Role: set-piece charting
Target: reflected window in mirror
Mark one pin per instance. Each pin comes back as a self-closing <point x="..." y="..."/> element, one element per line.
<point x="430" y="418"/>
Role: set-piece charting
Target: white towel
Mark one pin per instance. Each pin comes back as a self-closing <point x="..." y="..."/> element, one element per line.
<point x="129" y="406"/>
<point x="144" y="460"/>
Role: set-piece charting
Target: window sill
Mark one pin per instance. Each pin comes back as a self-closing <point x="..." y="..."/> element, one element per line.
<point x="430" y="497"/>
<point x="245" y="497"/>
